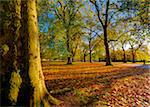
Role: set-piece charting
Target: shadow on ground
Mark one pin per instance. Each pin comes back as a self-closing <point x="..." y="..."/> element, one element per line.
<point x="97" y="83"/>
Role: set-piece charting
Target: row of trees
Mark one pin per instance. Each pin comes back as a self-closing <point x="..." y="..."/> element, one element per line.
<point x="67" y="27"/>
<point x="95" y="27"/>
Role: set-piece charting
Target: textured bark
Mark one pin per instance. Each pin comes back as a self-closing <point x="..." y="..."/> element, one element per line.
<point x="9" y="67"/>
<point x="15" y="80"/>
<point x="108" y="59"/>
<point x="104" y="24"/>
<point x="39" y="95"/>
<point x="22" y="60"/>
<point x="69" y="61"/>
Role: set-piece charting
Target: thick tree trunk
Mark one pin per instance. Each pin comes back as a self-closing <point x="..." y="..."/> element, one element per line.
<point x="108" y="59"/>
<point x="15" y="80"/>
<point x="11" y="79"/>
<point x="39" y="95"/>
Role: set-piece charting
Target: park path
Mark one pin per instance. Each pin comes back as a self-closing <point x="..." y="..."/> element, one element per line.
<point x="145" y="66"/>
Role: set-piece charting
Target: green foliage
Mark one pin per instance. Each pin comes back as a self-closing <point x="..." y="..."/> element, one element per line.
<point x="78" y="18"/>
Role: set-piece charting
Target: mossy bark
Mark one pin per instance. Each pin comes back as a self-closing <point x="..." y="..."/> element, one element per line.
<point x="11" y="79"/>
<point x="20" y="56"/>
<point x="39" y="94"/>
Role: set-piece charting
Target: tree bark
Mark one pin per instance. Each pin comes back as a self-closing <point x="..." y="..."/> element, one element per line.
<point x="9" y="68"/>
<point x="39" y="95"/>
<point x="124" y="55"/>
<point x="84" y="57"/>
<point x="69" y="61"/>
<point x="108" y="59"/>
<point x="90" y="51"/>
<point x="133" y="56"/>
<point x="90" y="54"/>
<point x="72" y="58"/>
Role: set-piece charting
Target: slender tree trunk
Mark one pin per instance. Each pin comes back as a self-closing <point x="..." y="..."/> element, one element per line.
<point x="84" y="57"/>
<point x="90" y="51"/>
<point x="72" y="58"/>
<point x="108" y="59"/>
<point x="90" y="54"/>
<point x="69" y="61"/>
<point x="99" y="59"/>
<point x="124" y="55"/>
<point x="133" y="56"/>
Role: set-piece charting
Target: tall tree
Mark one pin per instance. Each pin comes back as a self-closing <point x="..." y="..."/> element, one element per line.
<point x="38" y="92"/>
<point x="9" y="45"/>
<point x="104" y="24"/>
<point x="26" y="83"/>
<point x="67" y="12"/>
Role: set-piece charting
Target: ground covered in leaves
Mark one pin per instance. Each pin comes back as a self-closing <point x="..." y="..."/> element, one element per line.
<point x="97" y="85"/>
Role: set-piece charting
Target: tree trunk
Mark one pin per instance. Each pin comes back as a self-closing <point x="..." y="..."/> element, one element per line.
<point x="90" y="54"/>
<point x="124" y="55"/>
<point x="90" y="51"/>
<point x="39" y="95"/>
<point x="72" y="58"/>
<point x="84" y="57"/>
<point x="9" y="68"/>
<point x="108" y="59"/>
<point x="133" y="56"/>
<point x="69" y="61"/>
<point x="99" y="59"/>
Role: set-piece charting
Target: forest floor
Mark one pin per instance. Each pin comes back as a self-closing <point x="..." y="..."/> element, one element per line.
<point x="96" y="85"/>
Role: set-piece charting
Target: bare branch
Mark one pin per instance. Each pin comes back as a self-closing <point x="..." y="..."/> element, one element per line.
<point x="98" y="12"/>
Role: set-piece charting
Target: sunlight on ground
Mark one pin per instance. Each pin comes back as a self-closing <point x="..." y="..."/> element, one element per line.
<point x="97" y="85"/>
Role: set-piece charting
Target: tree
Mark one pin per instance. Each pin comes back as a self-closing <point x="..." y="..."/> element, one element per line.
<point x="75" y="42"/>
<point x="9" y="54"/>
<point x="104" y="24"/>
<point x="67" y="12"/>
<point x="84" y="50"/>
<point x="27" y="86"/>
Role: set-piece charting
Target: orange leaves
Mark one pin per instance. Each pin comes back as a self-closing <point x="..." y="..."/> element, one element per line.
<point x="94" y="84"/>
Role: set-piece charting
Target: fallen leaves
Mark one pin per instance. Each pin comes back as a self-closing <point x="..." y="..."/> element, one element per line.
<point x="96" y="85"/>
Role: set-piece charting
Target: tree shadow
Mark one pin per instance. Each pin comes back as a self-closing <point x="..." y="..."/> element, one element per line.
<point x="105" y="78"/>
